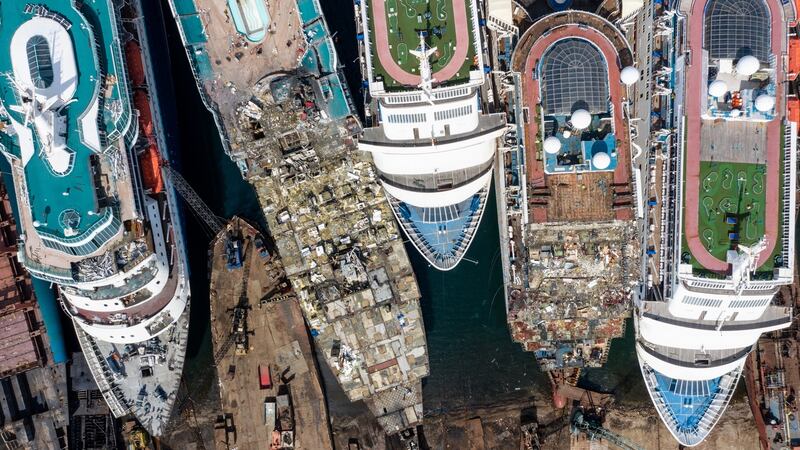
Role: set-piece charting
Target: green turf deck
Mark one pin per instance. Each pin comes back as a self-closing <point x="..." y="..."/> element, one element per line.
<point x="406" y="19"/>
<point x="731" y="190"/>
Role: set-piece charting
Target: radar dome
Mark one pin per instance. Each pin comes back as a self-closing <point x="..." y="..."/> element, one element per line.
<point x="629" y="75"/>
<point x="747" y="65"/>
<point x="552" y="145"/>
<point x="765" y="102"/>
<point x="717" y="88"/>
<point x="581" y="119"/>
<point x="601" y="160"/>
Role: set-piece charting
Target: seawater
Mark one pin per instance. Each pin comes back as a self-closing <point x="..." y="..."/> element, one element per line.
<point x="473" y="360"/>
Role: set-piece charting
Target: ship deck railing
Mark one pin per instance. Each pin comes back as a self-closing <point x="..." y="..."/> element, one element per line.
<point x="789" y="186"/>
<point x="101" y="373"/>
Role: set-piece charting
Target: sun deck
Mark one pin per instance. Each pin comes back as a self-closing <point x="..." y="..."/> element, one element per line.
<point x="578" y="259"/>
<point x="734" y="136"/>
<point x="66" y="59"/>
<point x="393" y="33"/>
<point x="576" y="138"/>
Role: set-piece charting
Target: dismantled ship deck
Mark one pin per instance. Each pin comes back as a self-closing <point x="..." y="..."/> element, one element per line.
<point x="568" y="194"/>
<point x="292" y="134"/>
<point x="276" y="342"/>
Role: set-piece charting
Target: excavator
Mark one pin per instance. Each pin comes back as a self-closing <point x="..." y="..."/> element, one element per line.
<point x="589" y="421"/>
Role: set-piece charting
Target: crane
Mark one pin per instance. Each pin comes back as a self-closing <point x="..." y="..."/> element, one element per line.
<point x="239" y="330"/>
<point x="198" y="206"/>
<point x="591" y="426"/>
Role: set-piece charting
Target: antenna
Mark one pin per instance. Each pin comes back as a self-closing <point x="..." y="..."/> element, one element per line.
<point x="426" y="76"/>
<point x="743" y="264"/>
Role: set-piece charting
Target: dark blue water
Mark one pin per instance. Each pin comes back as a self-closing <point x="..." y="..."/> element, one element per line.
<point x="211" y="173"/>
<point x="473" y="360"/>
<point x="472" y="357"/>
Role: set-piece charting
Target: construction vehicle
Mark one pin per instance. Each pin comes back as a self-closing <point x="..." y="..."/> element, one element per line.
<point x="285" y="413"/>
<point x="239" y="333"/>
<point x="589" y="421"/>
<point x="264" y="376"/>
<point x="196" y="204"/>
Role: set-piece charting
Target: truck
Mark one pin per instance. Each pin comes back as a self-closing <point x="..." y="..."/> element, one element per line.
<point x="264" y="376"/>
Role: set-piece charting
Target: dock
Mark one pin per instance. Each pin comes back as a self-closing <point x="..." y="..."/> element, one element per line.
<point x="772" y="376"/>
<point x="33" y="402"/>
<point x="262" y="349"/>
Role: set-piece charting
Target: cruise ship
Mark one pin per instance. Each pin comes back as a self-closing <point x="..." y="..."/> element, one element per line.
<point x="726" y="213"/>
<point x="270" y="75"/>
<point x="567" y="200"/>
<point x="97" y="217"/>
<point x="431" y="141"/>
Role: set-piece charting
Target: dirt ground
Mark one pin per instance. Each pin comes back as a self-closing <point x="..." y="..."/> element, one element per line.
<point x="735" y="431"/>
<point x="499" y="428"/>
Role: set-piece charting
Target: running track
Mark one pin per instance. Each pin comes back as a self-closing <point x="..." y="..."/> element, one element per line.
<point x="530" y="88"/>
<point x="694" y="125"/>
<point x="398" y="73"/>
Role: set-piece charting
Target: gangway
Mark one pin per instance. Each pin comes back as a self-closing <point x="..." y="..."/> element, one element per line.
<point x="198" y="206"/>
<point x="590" y="425"/>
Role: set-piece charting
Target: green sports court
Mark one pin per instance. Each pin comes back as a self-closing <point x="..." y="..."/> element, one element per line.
<point x="405" y="20"/>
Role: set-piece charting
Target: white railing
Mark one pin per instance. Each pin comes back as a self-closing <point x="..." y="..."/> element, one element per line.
<point x="789" y="189"/>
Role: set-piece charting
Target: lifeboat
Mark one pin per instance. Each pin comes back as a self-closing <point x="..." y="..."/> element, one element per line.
<point x="794" y="57"/>
<point x="793" y="110"/>
<point x="142" y="103"/>
<point x="133" y="55"/>
<point x="150" y="164"/>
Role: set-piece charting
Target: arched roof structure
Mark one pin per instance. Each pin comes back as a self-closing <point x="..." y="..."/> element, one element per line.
<point x="735" y="28"/>
<point x="574" y="76"/>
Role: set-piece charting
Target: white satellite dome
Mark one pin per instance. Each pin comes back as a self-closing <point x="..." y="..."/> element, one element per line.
<point x="601" y="160"/>
<point x="37" y="224"/>
<point x="717" y="88"/>
<point x="747" y="65"/>
<point x="765" y="102"/>
<point x="581" y="119"/>
<point x="629" y="75"/>
<point x="552" y="145"/>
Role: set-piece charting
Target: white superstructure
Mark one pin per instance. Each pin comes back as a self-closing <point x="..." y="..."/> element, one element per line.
<point x="431" y="142"/>
<point x="728" y="220"/>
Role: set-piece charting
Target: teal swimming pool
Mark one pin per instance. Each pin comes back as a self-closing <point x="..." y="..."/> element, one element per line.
<point x="309" y="10"/>
<point x="250" y="17"/>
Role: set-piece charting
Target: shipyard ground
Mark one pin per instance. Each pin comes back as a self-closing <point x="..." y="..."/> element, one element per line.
<point x="641" y="425"/>
<point x="497" y="427"/>
<point x="276" y="338"/>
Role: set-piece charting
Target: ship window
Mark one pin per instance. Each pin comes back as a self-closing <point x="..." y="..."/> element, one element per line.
<point x="39" y="62"/>
<point x="735" y="28"/>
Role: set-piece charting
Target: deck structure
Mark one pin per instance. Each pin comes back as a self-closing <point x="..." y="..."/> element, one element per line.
<point x="432" y="143"/>
<point x="727" y="243"/>
<point x="573" y="252"/>
<point x="89" y="220"/>
<point x="292" y="135"/>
